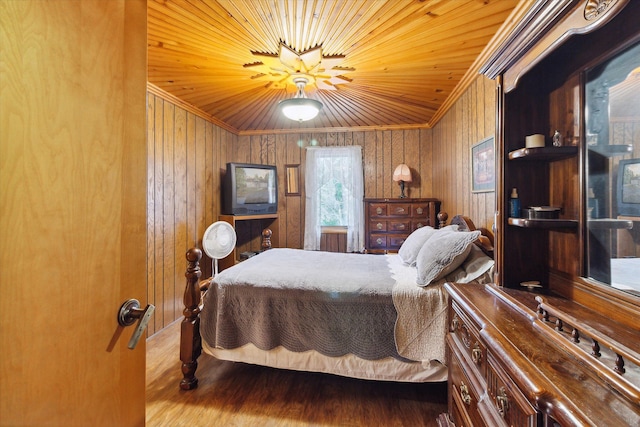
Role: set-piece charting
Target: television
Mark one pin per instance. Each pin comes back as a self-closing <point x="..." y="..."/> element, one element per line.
<point x="628" y="188"/>
<point x="249" y="189"/>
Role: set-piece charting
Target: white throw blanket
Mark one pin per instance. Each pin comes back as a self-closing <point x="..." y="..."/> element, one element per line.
<point x="421" y="323"/>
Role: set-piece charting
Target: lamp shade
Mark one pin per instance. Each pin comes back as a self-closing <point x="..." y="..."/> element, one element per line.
<point x="402" y="173"/>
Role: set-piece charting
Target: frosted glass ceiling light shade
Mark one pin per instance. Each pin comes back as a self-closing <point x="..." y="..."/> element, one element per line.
<point x="300" y="108"/>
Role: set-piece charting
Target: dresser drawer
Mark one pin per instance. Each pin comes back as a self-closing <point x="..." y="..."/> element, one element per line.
<point x="378" y="241"/>
<point x="419" y="210"/>
<point x="377" y="209"/>
<point x="399" y="209"/>
<point x="390" y="242"/>
<point x="467" y="337"/>
<point x="509" y="403"/>
<point x="400" y="226"/>
<point x="463" y="395"/>
<point x="378" y="226"/>
<point x="389" y="209"/>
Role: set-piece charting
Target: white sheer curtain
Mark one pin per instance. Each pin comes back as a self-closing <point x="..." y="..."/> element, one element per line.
<point x="327" y="166"/>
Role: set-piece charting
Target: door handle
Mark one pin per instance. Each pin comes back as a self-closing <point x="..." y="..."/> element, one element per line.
<point x="130" y="311"/>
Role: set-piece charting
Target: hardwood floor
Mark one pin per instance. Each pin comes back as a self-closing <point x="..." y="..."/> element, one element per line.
<point x="237" y="394"/>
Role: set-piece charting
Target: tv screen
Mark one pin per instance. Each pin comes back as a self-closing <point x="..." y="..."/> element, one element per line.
<point x="254" y="185"/>
<point x="628" y="188"/>
<point x="250" y="189"/>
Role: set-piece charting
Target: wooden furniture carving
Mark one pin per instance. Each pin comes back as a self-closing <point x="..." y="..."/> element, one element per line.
<point x="388" y="222"/>
<point x="254" y="232"/>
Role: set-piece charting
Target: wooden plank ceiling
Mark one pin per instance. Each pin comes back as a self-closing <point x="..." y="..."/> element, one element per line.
<point x="397" y="61"/>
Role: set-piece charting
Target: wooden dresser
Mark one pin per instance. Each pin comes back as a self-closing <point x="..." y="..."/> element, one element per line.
<point x="390" y="221"/>
<point x="512" y="362"/>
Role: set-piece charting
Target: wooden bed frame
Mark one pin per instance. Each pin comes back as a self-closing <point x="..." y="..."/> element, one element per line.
<point x="190" y="339"/>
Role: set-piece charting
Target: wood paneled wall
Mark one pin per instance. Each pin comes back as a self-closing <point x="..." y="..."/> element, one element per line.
<point x="470" y="120"/>
<point x="185" y="154"/>
<point x="188" y="155"/>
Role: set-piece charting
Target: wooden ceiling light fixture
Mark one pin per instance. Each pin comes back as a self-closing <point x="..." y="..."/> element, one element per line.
<point x="300" y="69"/>
<point x="283" y="69"/>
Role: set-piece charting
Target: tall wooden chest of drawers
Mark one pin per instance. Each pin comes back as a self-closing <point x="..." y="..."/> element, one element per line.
<point x="390" y="221"/>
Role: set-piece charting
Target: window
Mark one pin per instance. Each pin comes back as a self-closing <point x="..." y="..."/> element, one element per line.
<point x="332" y="197"/>
<point x="334" y="194"/>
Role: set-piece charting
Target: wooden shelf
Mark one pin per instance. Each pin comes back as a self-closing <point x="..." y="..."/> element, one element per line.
<point x="543" y="223"/>
<point x="249" y="228"/>
<point x="247" y="217"/>
<point x="544" y="153"/>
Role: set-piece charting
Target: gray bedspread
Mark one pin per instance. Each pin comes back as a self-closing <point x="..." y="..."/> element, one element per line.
<point x="304" y="300"/>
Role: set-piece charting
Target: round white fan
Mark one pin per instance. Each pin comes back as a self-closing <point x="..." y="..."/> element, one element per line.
<point x="218" y="241"/>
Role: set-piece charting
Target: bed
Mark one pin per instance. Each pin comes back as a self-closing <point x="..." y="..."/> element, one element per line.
<point x="377" y="317"/>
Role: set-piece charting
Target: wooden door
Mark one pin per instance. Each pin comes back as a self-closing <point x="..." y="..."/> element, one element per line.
<point x="72" y="210"/>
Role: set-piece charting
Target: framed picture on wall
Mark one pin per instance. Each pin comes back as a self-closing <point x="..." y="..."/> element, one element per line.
<point x="483" y="166"/>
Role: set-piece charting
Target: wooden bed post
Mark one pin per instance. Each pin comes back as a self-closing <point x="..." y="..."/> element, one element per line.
<point x="266" y="239"/>
<point x="442" y="219"/>
<point x="190" y="341"/>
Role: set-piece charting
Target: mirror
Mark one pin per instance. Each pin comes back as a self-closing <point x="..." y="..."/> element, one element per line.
<point x="293" y="180"/>
<point x="612" y="124"/>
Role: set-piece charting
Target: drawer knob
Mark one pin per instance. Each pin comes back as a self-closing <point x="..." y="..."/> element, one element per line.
<point x="400" y="226"/>
<point x="379" y="211"/>
<point x="464" y="394"/>
<point x="379" y="226"/>
<point x="399" y="210"/>
<point x="502" y="402"/>
<point x="419" y="211"/>
<point x="419" y="225"/>
<point x="476" y="354"/>
<point x="379" y="241"/>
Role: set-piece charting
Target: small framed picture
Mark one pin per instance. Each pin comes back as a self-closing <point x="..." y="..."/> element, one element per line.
<point x="483" y="166"/>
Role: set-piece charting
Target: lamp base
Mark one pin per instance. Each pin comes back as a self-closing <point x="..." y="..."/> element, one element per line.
<point x="402" y="195"/>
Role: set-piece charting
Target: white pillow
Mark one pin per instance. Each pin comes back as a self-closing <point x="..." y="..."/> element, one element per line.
<point x="413" y="243"/>
<point x="475" y="265"/>
<point x="442" y="254"/>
